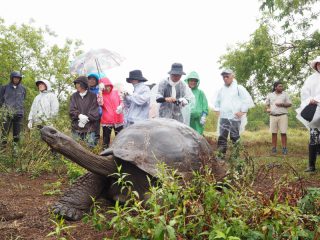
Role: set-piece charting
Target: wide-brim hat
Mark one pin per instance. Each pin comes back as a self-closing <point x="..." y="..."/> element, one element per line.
<point x="136" y="75"/>
<point x="177" y="69"/>
<point x="314" y="62"/>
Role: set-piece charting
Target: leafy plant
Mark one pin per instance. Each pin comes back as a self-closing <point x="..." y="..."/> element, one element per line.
<point x="310" y="203"/>
<point x="60" y="227"/>
<point x="96" y="217"/>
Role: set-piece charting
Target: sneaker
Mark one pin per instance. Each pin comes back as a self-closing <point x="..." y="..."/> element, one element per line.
<point x="284" y="151"/>
<point x="310" y="169"/>
<point x="274" y="150"/>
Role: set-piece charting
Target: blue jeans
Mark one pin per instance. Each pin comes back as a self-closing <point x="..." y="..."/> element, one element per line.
<point x="88" y="137"/>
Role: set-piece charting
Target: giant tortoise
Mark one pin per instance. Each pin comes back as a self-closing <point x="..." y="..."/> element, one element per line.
<point x="138" y="148"/>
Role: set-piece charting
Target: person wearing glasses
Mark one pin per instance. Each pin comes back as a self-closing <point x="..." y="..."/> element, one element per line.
<point x="232" y="104"/>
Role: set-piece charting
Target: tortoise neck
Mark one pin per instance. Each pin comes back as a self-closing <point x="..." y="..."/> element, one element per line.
<point x="97" y="164"/>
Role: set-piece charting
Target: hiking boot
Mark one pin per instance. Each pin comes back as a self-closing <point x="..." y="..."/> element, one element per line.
<point x="274" y="150"/>
<point x="284" y="151"/>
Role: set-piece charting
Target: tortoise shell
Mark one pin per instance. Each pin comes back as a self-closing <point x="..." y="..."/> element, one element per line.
<point x="149" y="142"/>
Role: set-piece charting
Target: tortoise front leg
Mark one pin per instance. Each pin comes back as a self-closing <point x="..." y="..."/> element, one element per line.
<point x="77" y="199"/>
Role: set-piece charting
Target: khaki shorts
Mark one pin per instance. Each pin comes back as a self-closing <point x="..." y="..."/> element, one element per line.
<point x="279" y="123"/>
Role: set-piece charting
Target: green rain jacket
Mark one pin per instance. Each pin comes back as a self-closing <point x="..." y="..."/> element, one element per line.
<point x="201" y="104"/>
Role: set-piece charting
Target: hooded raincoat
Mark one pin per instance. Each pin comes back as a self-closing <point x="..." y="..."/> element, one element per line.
<point x="137" y="104"/>
<point x="111" y="100"/>
<point x="45" y="106"/>
<point x="200" y="106"/>
<point x="168" y="88"/>
<point x="12" y="97"/>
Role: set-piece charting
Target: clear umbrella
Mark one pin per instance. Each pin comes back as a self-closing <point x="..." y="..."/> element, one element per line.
<point x="95" y="60"/>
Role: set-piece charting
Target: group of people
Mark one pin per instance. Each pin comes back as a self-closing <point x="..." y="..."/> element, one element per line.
<point x="96" y="103"/>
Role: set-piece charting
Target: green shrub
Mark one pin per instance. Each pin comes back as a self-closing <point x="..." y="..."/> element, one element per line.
<point x="201" y="209"/>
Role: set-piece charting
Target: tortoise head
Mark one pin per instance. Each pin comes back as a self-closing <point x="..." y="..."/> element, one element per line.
<point x="77" y="153"/>
<point x="55" y="139"/>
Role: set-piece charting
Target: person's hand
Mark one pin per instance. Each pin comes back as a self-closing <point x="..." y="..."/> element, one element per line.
<point x="119" y="109"/>
<point x="203" y="120"/>
<point x="101" y="86"/>
<point x="123" y="95"/>
<point x="312" y="101"/>
<point x="83" y="118"/>
<point x="30" y="124"/>
<point x="280" y="104"/>
<point x="82" y="122"/>
<point x="170" y="99"/>
<point x="239" y="114"/>
<point x="183" y="101"/>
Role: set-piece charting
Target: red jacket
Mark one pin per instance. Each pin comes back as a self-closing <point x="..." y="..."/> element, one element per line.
<point x="111" y="100"/>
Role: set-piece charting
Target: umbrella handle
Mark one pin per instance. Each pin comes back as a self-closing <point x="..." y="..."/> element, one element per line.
<point x="98" y="66"/>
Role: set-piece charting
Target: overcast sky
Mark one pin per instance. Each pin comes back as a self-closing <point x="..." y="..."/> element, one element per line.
<point x="150" y="34"/>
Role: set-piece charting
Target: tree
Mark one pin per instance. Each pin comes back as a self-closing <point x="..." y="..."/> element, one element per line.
<point x="25" y="48"/>
<point x="280" y="49"/>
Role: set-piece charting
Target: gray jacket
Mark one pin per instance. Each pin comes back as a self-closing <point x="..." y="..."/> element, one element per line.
<point x="137" y="104"/>
<point x="12" y="98"/>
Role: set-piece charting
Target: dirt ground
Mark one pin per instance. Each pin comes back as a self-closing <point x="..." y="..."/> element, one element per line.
<point x="24" y="208"/>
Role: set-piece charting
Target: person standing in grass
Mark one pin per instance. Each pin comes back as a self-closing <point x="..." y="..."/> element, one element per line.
<point x="112" y="117"/>
<point x="12" y="97"/>
<point x="232" y="104"/>
<point x="93" y="83"/>
<point x="84" y="112"/>
<point x="44" y="107"/>
<point x="199" y="111"/>
<point x="278" y="103"/>
<point x="310" y="95"/>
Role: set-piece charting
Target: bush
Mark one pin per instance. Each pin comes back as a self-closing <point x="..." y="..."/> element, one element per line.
<point x="201" y="209"/>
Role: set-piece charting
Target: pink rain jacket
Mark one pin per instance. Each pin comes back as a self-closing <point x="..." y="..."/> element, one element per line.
<point x="111" y="101"/>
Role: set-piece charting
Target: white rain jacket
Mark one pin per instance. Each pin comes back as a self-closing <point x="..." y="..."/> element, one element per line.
<point x="45" y="106"/>
<point x="310" y="90"/>
<point x="232" y="99"/>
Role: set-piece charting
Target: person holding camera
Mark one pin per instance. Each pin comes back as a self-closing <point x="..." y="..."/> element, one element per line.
<point x="174" y="95"/>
